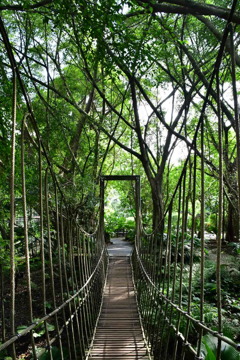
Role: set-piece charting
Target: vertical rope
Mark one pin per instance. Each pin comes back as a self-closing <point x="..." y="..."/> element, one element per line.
<point x="62" y="268"/>
<point x="181" y="244"/>
<point x="59" y="265"/>
<point x="42" y="243"/>
<point x="84" y="312"/>
<point x="2" y="303"/>
<point x="76" y="279"/>
<point x="220" y="214"/>
<point x="26" y="240"/>
<point x="167" y="268"/>
<point x="81" y="282"/>
<point x="174" y="278"/>
<point x="192" y="182"/>
<point x="236" y="115"/>
<point x="50" y="258"/>
<point x="63" y="243"/>
<point x="202" y="226"/>
<point x="88" y="305"/>
<point x="70" y="258"/>
<point x="12" y="208"/>
<point x="42" y="247"/>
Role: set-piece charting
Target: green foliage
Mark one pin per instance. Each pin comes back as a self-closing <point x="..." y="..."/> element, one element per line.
<point x="4" y="355"/>
<point x="39" y="330"/>
<point x="54" y="353"/>
<point x="235" y="248"/>
<point x="230" y="281"/>
<point x="209" y="349"/>
<point x="115" y="223"/>
<point x="120" y="209"/>
<point x="66" y="45"/>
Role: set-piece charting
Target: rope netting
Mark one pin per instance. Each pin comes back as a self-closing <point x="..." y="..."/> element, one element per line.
<point x="52" y="272"/>
<point x="181" y="288"/>
<point x="52" y="278"/>
<point x="173" y="282"/>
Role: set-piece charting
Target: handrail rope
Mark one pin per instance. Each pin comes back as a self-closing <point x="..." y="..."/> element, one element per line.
<point x="99" y="313"/>
<point x="46" y="317"/>
<point x="65" y="324"/>
<point x="178" y="334"/>
<point x="183" y="312"/>
<point x="139" y="312"/>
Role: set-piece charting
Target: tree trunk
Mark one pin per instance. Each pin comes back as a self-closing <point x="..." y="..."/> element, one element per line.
<point x="232" y="223"/>
<point x="232" y="226"/>
<point x="157" y="200"/>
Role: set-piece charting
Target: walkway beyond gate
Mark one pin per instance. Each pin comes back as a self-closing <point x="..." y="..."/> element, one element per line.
<point x="119" y="333"/>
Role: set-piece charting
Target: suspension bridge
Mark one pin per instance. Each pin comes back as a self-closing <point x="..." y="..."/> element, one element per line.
<point x="67" y="296"/>
<point x="127" y="303"/>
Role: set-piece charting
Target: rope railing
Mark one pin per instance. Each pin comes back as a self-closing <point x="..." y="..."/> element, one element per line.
<point x="55" y="297"/>
<point x="160" y="322"/>
<point x="53" y="275"/>
<point x="179" y="288"/>
<point x="180" y="280"/>
<point x="52" y="272"/>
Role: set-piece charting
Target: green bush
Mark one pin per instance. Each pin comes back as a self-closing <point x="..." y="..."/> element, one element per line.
<point x="115" y="223"/>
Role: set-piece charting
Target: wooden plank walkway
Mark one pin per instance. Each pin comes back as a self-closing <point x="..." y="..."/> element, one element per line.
<point x="119" y="334"/>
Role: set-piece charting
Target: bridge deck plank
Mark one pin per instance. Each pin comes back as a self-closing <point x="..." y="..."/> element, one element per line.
<point x="119" y="334"/>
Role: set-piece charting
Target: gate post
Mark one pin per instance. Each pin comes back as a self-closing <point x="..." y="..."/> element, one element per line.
<point x="138" y="210"/>
<point x="101" y="220"/>
<point x="135" y="178"/>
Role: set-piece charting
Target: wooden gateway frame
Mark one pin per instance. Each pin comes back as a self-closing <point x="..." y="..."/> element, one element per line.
<point x="135" y="178"/>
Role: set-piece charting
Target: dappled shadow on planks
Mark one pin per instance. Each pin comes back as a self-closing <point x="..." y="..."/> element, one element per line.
<point x="119" y="334"/>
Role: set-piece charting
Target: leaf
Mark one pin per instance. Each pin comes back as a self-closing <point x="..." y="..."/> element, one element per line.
<point x="229" y="353"/>
<point x="36" y="335"/>
<point x="56" y="354"/>
<point x="21" y="328"/>
<point x="42" y="351"/>
<point x="210" y="353"/>
<point x="209" y="349"/>
<point x="50" y="327"/>
<point x="44" y="356"/>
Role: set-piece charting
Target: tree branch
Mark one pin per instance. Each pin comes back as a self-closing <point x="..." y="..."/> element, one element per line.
<point x="218" y="35"/>
<point x="189" y="8"/>
<point x="25" y="8"/>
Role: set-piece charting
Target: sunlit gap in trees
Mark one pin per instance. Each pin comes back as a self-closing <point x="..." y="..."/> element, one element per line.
<point x="119" y="209"/>
<point x="169" y="106"/>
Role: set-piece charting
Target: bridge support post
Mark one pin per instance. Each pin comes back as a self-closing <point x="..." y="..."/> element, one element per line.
<point x="101" y="224"/>
<point x="138" y="210"/>
<point x="135" y="178"/>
